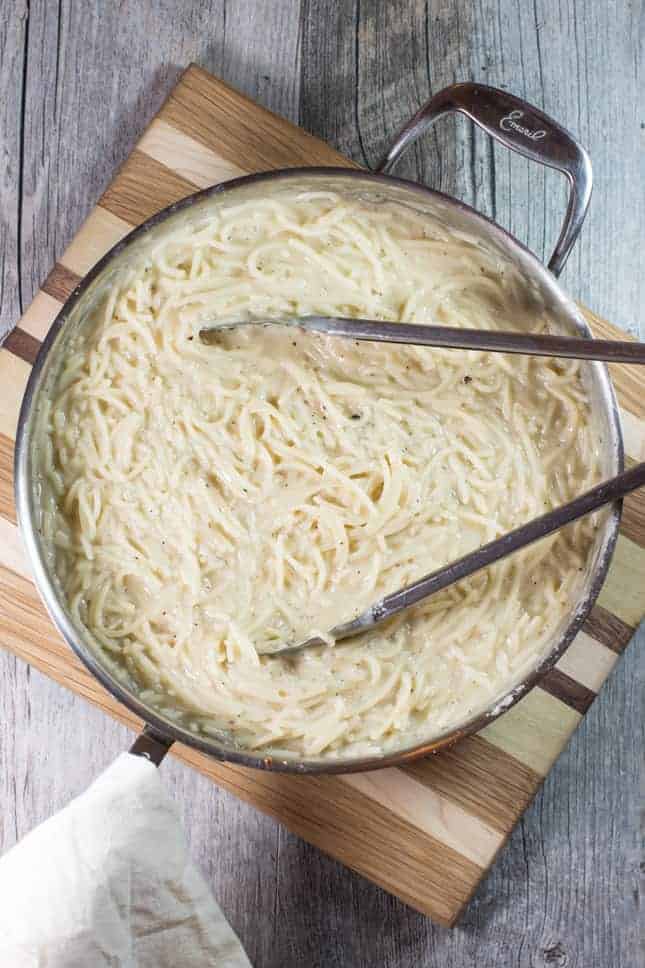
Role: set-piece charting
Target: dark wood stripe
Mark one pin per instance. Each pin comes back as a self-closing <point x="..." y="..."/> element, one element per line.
<point x="226" y="122"/>
<point x="22" y="344"/>
<point x="60" y="283"/>
<point x="7" y="508"/>
<point x="482" y="779"/>
<point x="632" y="524"/>
<point x="142" y="188"/>
<point x="607" y="628"/>
<point x="563" y="687"/>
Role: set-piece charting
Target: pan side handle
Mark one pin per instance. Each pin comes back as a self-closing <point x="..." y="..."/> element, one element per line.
<point x="151" y="744"/>
<point x="520" y="127"/>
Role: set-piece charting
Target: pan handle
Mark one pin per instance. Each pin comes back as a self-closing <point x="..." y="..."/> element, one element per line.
<point x="151" y="744"/>
<point x="521" y="128"/>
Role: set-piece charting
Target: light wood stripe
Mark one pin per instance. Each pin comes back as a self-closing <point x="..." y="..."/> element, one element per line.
<point x="15" y="373"/>
<point x="41" y="314"/>
<point x="534" y="731"/>
<point x="96" y="236"/>
<point x="633" y="433"/>
<point x="7" y="509"/>
<point x="13" y="552"/>
<point x="589" y="650"/>
<point x="587" y="661"/>
<point x="608" y="629"/>
<point x="427" y="810"/>
<point x="462" y="774"/>
<point x="225" y="121"/>
<point x="189" y="158"/>
<point x="142" y="188"/>
<point x="622" y="592"/>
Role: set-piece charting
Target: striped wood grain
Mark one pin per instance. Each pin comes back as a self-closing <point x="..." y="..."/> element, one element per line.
<point x="428" y="831"/>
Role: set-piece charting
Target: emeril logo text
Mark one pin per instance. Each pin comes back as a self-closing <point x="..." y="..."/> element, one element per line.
<point x="510" y="123"/>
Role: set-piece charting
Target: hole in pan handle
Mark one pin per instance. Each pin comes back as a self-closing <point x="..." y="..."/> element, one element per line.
<point x="520" y="127"/>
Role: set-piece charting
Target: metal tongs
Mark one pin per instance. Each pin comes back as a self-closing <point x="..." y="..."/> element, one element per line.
<point x="450" y="337"/>
<point x="614" y="489"/>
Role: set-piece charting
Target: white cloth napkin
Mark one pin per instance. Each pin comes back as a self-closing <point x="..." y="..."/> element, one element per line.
<point x="107" y="881"/>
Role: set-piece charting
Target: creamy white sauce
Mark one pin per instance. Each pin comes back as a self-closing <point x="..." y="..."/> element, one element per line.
<point x="210" y="503"/>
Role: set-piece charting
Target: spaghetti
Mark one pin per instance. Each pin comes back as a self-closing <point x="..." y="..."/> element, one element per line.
<point x="208" y="504"/>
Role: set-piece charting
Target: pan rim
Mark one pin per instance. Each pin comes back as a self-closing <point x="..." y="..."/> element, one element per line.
<point x="237" y="755"/>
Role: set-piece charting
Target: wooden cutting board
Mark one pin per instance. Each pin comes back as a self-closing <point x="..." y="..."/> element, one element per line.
<point x="426" y="832"/>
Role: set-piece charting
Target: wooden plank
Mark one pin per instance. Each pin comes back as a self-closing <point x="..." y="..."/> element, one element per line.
<point x="574" y="694"/>
<point x="463" y="773"/>
<point x="191" y="159"/>
<point x="380" y="846"/>
<point x="633" y="435"/>
<point x="60" y="283"/>
<point x="220" y="118"/>
<point x="14" y="558"/>
<point x="142" y="188"/>
<point x="15" y="373"/>
<point x="622" y="593"/>
<point x="22" y="344"/>
<point x="7" y="510"/>
<point x="607" y="628"/>
<point x="534" y="731"/>
<point x="429" y="813"/>
<point x="588" y="662"/>
<point x="98" y="233"/>
<point x="41" y="313"/>
<point x="633" y="520"/>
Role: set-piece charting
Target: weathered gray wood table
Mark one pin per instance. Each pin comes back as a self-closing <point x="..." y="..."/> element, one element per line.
<point x="78" y="82"/>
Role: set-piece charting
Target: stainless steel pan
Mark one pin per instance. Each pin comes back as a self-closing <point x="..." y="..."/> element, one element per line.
<point x="510" y="121"/>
